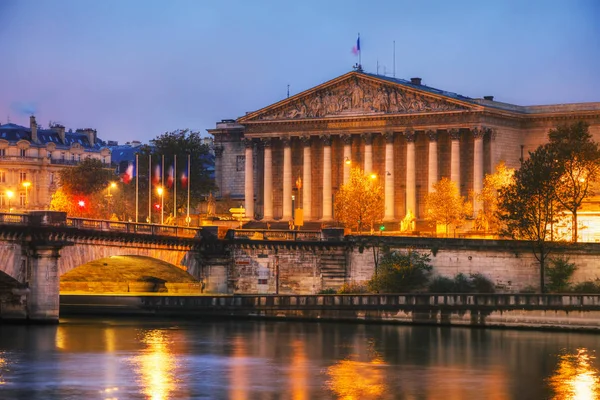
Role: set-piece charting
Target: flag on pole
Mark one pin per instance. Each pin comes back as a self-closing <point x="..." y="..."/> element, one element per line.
<point x="128" y="175"/>
<point x="170" y="177"/>
<point x="184" y="178"/>
<point x="156" y="177"/>
<point x="356" y="49"/>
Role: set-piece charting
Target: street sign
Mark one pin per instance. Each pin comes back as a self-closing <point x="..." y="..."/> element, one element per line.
<point x="240" y="210"/>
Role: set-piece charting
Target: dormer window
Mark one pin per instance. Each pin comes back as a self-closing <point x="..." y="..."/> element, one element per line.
<point x="22" y="152"/>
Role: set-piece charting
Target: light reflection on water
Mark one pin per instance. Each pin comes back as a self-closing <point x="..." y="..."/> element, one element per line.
<point x="159" y="360"/>
<point x="576" y="376"/>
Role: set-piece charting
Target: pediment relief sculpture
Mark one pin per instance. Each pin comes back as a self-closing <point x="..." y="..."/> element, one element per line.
<point x="359" y="97"/>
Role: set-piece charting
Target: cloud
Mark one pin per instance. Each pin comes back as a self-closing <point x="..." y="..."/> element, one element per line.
<point x="24" y="108"/>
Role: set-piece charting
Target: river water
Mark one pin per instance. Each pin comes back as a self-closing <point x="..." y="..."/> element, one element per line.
<point x="221" y="359"/>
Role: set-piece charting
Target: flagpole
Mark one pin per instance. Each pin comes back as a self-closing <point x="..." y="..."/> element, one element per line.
<point x="149" y="189"/>
<point x="175" y="188"/>
<point x="188" y="192"/>
<point x="162" y="196"/>
<point x="358" y="45"/>
<point x="136" y="186"/>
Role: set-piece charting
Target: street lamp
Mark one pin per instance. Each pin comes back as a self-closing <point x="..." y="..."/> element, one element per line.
<point x="9" y="194"/>
<point x="109" y="196"/>
<point x="26" y="185"/>
<point x="160" y="192"/>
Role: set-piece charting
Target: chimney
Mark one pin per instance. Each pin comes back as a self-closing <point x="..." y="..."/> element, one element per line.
<point x="33" y="126"/>
<point x="490" y="98"/>
<point x="91" y="135"/>
<point x="60" y="130"/>
<point x="415" y="81"/>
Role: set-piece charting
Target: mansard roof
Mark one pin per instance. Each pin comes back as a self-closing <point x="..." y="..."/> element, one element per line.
<point x="13" y="133"/>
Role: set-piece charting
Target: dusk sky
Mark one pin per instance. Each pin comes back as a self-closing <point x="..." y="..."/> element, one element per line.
<point x="135" y="69"/>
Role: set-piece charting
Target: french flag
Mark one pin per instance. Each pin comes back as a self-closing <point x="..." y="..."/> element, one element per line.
<point x="184" y="179"/>
<point x="156" y="178"/>
<point x="170" y="177"/>
<point x="356" y="49"/>
<point x="128" y="174"/>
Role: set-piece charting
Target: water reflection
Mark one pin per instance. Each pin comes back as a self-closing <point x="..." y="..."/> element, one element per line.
<point x="156" y="365"/>
<point x="3" y="368"/>
<point x="576" y="377"/>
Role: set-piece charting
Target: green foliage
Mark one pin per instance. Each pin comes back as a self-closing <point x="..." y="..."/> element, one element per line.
<point x="353" y="288"/>
<point x="327" y="291"/>
<point x="400" y="272"/>
<point x="559" y="273"/>
<point x="474" y="283"/>
<point x="592" y="287"/>
<point x="88" y="177"/>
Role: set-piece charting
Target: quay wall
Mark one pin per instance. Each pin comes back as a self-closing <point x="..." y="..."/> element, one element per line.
<point x="531" y="311"/>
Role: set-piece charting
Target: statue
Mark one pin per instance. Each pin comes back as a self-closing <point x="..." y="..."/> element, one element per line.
<point x="406" y="225"/>
<point x="211" y="205"/>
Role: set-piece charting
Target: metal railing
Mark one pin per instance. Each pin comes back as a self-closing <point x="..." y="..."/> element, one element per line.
<point x="266" y="234"/>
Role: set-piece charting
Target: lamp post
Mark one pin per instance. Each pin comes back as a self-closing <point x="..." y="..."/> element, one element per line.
<point x="26" y="185"/>
<point x="109" y="196"/>
<point x="9" y="194"/>
<point x="160" y="192"/>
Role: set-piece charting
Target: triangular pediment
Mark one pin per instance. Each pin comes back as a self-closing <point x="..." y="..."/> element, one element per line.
<point x="359" y="94"/>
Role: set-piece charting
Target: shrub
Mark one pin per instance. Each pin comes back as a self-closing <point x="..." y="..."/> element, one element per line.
<point x="481" y="284"/>
<point x="353" y="288"/>
<point x="462" y="284"/>
<point x="401" y="272"/>
<point x="559" y="273"/>
<point x="327" y="291"/>
<point x="529" y="289"/>
<point x="587" y="287"/>
<point x="441" y="284"/>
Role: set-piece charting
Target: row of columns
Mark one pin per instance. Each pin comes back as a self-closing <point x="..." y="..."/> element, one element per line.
<point x="411" y="188"/>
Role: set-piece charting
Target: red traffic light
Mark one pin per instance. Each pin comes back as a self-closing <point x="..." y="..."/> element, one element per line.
<point x="81" y="203"/>
<point x="157" y="206"/>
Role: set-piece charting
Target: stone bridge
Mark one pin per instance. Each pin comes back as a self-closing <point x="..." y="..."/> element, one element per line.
<point x="37" y="248"/>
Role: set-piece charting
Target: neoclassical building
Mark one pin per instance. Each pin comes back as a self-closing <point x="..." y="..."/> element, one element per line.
<point x="409" y="134"/>
<point x="31" y="157"/>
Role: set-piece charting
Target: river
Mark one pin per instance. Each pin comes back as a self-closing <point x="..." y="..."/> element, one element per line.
<point x="133" y="358"/>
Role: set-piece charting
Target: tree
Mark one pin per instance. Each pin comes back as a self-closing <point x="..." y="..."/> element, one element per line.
<point x="400" y="272"/>
<point x="360" y="201"/>
<point x="527" y="206"/>
<point x="577" y="157"/>
<point x="445" y="205"/>
<point x="492" y="183"/>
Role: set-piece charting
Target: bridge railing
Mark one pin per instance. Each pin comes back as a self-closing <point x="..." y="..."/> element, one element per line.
<point x="14" y="219"/>
<point x="267" y="234"/>
<point x="132" y="227"/>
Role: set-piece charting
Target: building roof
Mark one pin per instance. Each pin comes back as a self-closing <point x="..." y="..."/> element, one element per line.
<point x="14" y="133"/>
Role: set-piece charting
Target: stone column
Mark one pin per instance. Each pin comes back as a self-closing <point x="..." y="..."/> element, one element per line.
<point x="43" y="297"/>
<point x="389" y="176"/>
<point x="477" y="168"/>
<point x="368" y="138"/>
<point x="287" y="178"/>
<point x="218" y="168"/>
<point x="432" y="170"/>
<point x="411" y="181"/>
<point x="327" y="215"/>
<point x="307" y="178"/>
<point x="268" y="180"/>
<point x="347" y="139"/>
<point x="249" y="178"/>
<point x="455" y="157"/>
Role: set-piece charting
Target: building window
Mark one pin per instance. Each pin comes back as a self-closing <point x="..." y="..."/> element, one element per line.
<point x="51" y="178"/>
<point x="22" y="177"/>
<point x="2" y="152"/>
<point x="23" y="152"/>
<point x="22" y="199"/>
<point x="240" y="163"/>
<point x="62" y="156"/>
<point x="2" y="176"/>
<point x="2" y="198"/>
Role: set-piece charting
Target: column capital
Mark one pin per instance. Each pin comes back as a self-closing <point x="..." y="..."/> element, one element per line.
<point x="326" y="138"/>
<point x="346" y="138"/>
<point x="286" y="140"/>
<point x="219" y="151"/>
<point x="367" y="137"/>
<point x="305" y="139"/>
<point x="266" y="142"/>
<point x="432" y="134"/>
<point x="454" y="134"/>
<point x="410" y="135"/>
<point x="248" y="143"/>
<point x="478" y="132"/>
<point x="389" y="136"/>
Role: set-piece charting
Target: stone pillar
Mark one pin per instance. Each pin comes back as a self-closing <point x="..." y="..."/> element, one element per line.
<point x="249" y="178"/>
<point x="347" y="139"/>
<point x="455" y="157"/>
<point x="368" y="138"/>
<point x="218" y="168"/>
<point x="389" y="176"/>
<point x="43" y="297"/>
<point x="287" y="178"/>
<point x="327" y="214"/>
<point x="268" y="180"/>
<point x="477" y="168"/>
<point x="411" y="181"/>
<point x="307" y="178"/>
<point x="432" y="170"/>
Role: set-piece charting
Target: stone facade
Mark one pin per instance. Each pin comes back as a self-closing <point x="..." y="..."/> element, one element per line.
<point x="409" y="134"/>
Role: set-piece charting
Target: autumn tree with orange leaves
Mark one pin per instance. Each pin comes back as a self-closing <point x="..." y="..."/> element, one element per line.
<point x="359" y="202"/>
